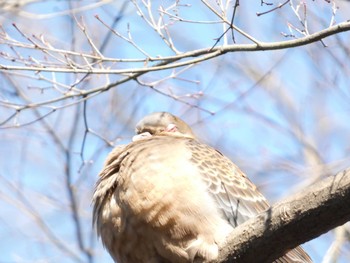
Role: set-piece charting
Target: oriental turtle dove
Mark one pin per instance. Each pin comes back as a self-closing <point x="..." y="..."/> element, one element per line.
<point x="166" y="197"/>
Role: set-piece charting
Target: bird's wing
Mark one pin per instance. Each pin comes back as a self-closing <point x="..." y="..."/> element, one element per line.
<point x="237" y="197"/>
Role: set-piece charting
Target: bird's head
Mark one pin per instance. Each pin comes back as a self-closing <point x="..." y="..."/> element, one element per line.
<point x="162" y="123"/>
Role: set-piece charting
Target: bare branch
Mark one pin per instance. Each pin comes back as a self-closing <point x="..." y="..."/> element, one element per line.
<point x="287" y="224"/>
<point x="203" y="54"/>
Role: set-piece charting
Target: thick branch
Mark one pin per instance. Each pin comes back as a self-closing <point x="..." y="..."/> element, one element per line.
<point x="294" y="221"/>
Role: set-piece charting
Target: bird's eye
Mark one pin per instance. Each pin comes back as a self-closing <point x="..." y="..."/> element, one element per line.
<point x="171" y="128"/>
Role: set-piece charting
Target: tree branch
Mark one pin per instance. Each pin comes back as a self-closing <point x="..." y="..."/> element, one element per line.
<point x="294" y="221"/>
<point x="200" y="55"/>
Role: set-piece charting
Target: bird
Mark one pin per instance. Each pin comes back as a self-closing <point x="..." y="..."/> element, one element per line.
<point x="166" y="197"/>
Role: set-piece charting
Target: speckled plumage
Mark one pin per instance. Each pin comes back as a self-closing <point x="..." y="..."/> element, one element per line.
<point x="166" y="197"/>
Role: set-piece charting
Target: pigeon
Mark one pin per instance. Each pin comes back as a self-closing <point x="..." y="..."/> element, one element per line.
<point x="166" y="197"/>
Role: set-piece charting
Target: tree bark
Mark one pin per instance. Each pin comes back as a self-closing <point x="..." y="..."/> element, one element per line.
<point x="300" y="218"/>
